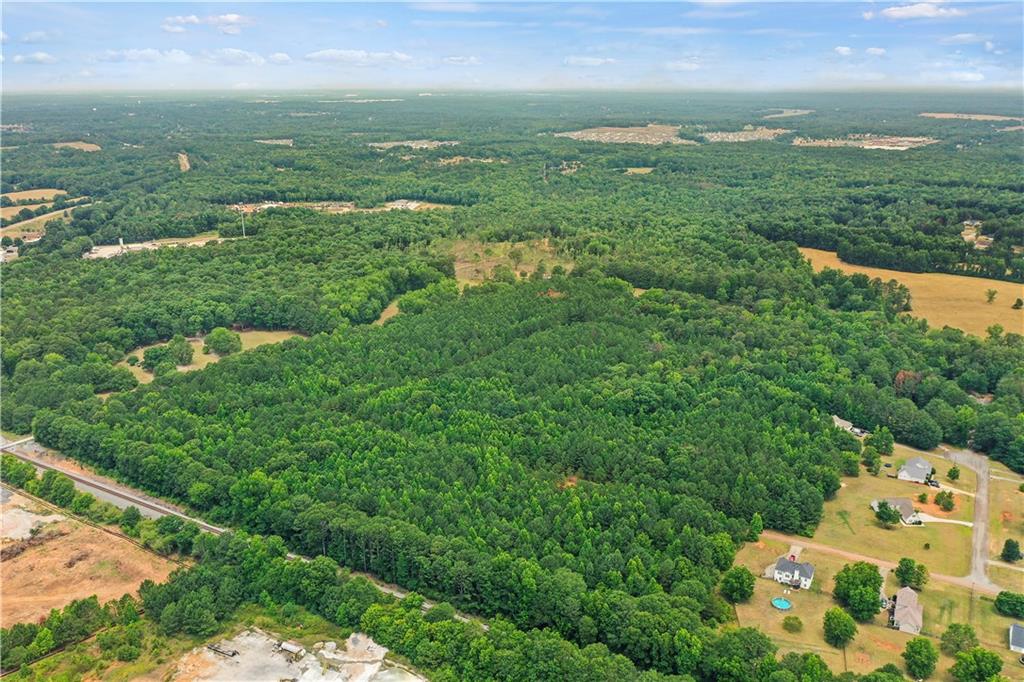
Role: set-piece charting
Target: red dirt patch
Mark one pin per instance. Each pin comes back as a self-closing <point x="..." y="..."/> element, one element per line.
<point x="891" y="646"/>
<point x="568" y="482"/>
<point x="552" y="293"/>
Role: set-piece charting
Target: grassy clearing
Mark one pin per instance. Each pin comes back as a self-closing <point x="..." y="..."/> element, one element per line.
<point x="250" y="339"/>
<point x="475" y="261"/>
<point x="639" y="170"/>
<point x="11" y="211"/>
<point x="943" y="300"/>
<point x="79" y="145"/>
<point x="848" y="523"/>
<point x="1006" y="516"/>
<point x="1006" y="577"/>
<point x="29" y="229"/>
<point x="44" y="194"/>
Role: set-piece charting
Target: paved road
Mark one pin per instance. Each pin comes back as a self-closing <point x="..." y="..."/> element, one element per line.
<point x="963" y="581"/>
<point x="123" y="496"/>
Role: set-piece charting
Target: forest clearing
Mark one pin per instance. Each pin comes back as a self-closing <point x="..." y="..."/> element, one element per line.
<point x="112" y="250"/>
<point x="652" y="133"/>
<point x="787" y="113"/>
<point x="68" y="560"/>
<point x="79" y="145"/>
<point x="477" y="261"/>
<point x="640" y="170"/>
<point x="970" y="117"/>
<point x="340" y="206"/>
<point x="11" y="211"/>
<point x="748" y="134"/>
<point x="34" y="227"/>
<point x="867" y="141"/>
<point x="251" y="338"/>
<point x="413" y="144"/>
<point x="183" y="163"/>
<point x="283" y="142"/>
<point x="942" y="299"/>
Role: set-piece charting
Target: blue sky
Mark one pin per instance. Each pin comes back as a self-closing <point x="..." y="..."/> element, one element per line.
<point x="491" y="45"/>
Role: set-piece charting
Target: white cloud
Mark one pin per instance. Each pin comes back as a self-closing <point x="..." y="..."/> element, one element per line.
<point x="588" y="61"/>
<point x="86" y="73"/>
<point x="868" y="16"/>
<point x="843" y="50"/>
<point x="682" y="65"/>
<point x="3" y="37"/>
<point x="231" y="56"/>
<point x="146" y="55"/>
<point x="359" y="57"/>
<point x="963" y="39"/>
<point x="461" y="60"/>
<point x="40" y="36"/>
<point x="991" y="47"/>
<point x="921" y="10"/>
<point x="966" y="76"/>
<point x="35" y="58"/>
<point x="664" y="30"/>
<point x="279" y="58"/>
<point x="876" y="51"/>
<point x="230" y="24"/>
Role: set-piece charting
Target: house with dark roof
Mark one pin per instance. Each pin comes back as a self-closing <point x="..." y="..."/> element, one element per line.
<point x="916" y="469"/>
<point x="1017" y="638"/>
<point x="908" y="515"/>
<point x="793" y="573"/>
<point x="906" y="614"/>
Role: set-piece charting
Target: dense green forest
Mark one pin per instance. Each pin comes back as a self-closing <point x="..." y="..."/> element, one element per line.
<point x="579" y="453"/>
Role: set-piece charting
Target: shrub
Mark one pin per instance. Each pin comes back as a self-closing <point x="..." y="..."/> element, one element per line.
<point x="792" y="624"/>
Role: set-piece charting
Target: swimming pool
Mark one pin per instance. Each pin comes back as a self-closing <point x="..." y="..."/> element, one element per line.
<point x="782" y="604"/>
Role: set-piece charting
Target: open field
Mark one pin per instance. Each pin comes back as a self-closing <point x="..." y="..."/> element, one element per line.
<point x="942" y="299"/>
<point x="458" y="160"/>
<point x="641" y="170"/>
<point x="79" y="145"/>
<point x="112" y="250"/>
<point x="284" y="142"/>
<point x="652" y="133"/>
<point x="72" y="561"/>
<point x="46" y="194"/>
<point x="748" y="134"/>
<point x="34" y="227"/>
<point x="475" y="261"/>
<point x="414" y="144"/>
<point x="339" y="206"/>
<point x="1006" y="515"/>
<point x="1011" y="129"/>
<point x="183" y="163"/>
<point x="11" y="211"/>
<point x="848" y="522"/>
<point x="867" y="141"/>
<point x="787" y="113"/>
<point x="970" y="117"/>
<point x="1006" y="577"/>
<point x="251" y="338"/>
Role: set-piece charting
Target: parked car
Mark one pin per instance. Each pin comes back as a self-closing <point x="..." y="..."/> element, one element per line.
<point x="933" y="483"/>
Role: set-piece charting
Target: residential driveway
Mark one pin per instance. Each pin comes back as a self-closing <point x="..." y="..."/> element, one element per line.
<point x="936" y="519"/>
<point x="979" y="538"/>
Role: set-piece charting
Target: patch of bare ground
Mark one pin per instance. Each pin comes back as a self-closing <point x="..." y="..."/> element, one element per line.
<point x="74" y="561"/>
<point x="390" y="311"/>
<point x="414" y="144"/>
<point x="639" y="170"/>
<point x="340" y="206"/>
<point x="867" y="141"/>
<point x="183" y="163"/>
<point x="568" y="482"/>
<point x="787" y="113"/>
<point x="458" y="160"/>
<point x="79" y="145"/>
<point x="970" y="117"/>
<point x="476" y="261"/>
<point x="113" y="250"/>
<point x="284" y="141"/>
<point x="652" y="133"/>
<point x="748" y="134"/>
<point x="1010" y="129"/>
<point x="569" y="167"/>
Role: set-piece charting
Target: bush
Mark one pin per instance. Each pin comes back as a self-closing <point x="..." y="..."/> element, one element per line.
<point x="792" y="624"/>
<point x="1010" y="604"/>
<point x="1011" y="551"/>
<point x="222" y="341"/>
<point x="958" y="637"/>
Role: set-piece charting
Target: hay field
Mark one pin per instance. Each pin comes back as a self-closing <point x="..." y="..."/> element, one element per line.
<point x="44" y="194"/>
<point x="639" y="170"/>
<point x="79" y="145"/>
<point x="942" y="299"/>
<point x="11" y="211"/>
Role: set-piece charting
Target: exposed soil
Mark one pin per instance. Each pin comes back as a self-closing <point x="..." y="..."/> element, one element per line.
<point x="285" y="142"/>
<point x="970" y="117"/>
<point x="183" y="163"/>
<point x="79" y="145"/>
<point x="414" y="144"/>
<point x="458" y="160"/>
<point x="867" y="141"/>
<point x="652" y="133"/>
<point x="748" y="134"/>
<point x="475" y="261"/>
<point x="787" y="113"/>
<point x="1010" y="129"/>
<point x="390" y="311"/>
<point x="112" y="250"/>
<point x="41" y="579"/>
<point x="340" y="206"/>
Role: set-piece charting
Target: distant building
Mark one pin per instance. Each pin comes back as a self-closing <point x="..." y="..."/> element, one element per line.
<point x="1017" y="638"/>
<point x="906" y="614"/>
<point x="793" y="573"/>
<point x="292" y="650"/>
<point x="841" y="423"/>
<point x="908" y="515"/>
<point x="916" y="469"/>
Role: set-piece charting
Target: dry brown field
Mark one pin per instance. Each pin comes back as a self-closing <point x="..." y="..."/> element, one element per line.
<point x="970" y="117"/>
<point x="942" y="299"/>
<point x="183" y="163"/>
<point x="748" y="134"/>
<point x="652" y="133"/>
<point x="475" y="261"/>
<point x="867" y="141"/>
<point x="641" y="170"/>
<point x="414" y="144"/>
<point x="285" y="142"/>
<point x="11" y="211"/>
<point x="79" y="145"/>
<point x="46" y="194"/>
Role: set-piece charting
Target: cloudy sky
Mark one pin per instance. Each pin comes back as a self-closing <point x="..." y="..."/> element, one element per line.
<point x="508" y="45"/>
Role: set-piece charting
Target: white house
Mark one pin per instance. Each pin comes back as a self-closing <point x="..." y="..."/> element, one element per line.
<point x="907" y="614"/>
<point x="908" y="515"/>
<point x="916" y="469"/>
<point x="793" y="573"/>
<point x="1017" y="638"/>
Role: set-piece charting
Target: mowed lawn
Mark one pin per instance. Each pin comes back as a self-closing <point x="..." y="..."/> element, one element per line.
<point x="875" y="644"/>
<point x="967" y="482"/>
<point x="1006" y="515"/>
<point x="849" y="523"/>
<point x="944" y="300"/>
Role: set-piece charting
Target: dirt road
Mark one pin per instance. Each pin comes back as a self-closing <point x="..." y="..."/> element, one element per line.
<point x="979" y="537"/>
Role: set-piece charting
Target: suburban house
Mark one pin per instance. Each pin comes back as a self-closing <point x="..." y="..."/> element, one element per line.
<point x="916" y="469"/>
<point x="1017" y="638"/>
<point x="908" y="515"/>
<point x="847" y="426"/>
<point x="793" y="573"/>
<point x="905" y="614"/>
